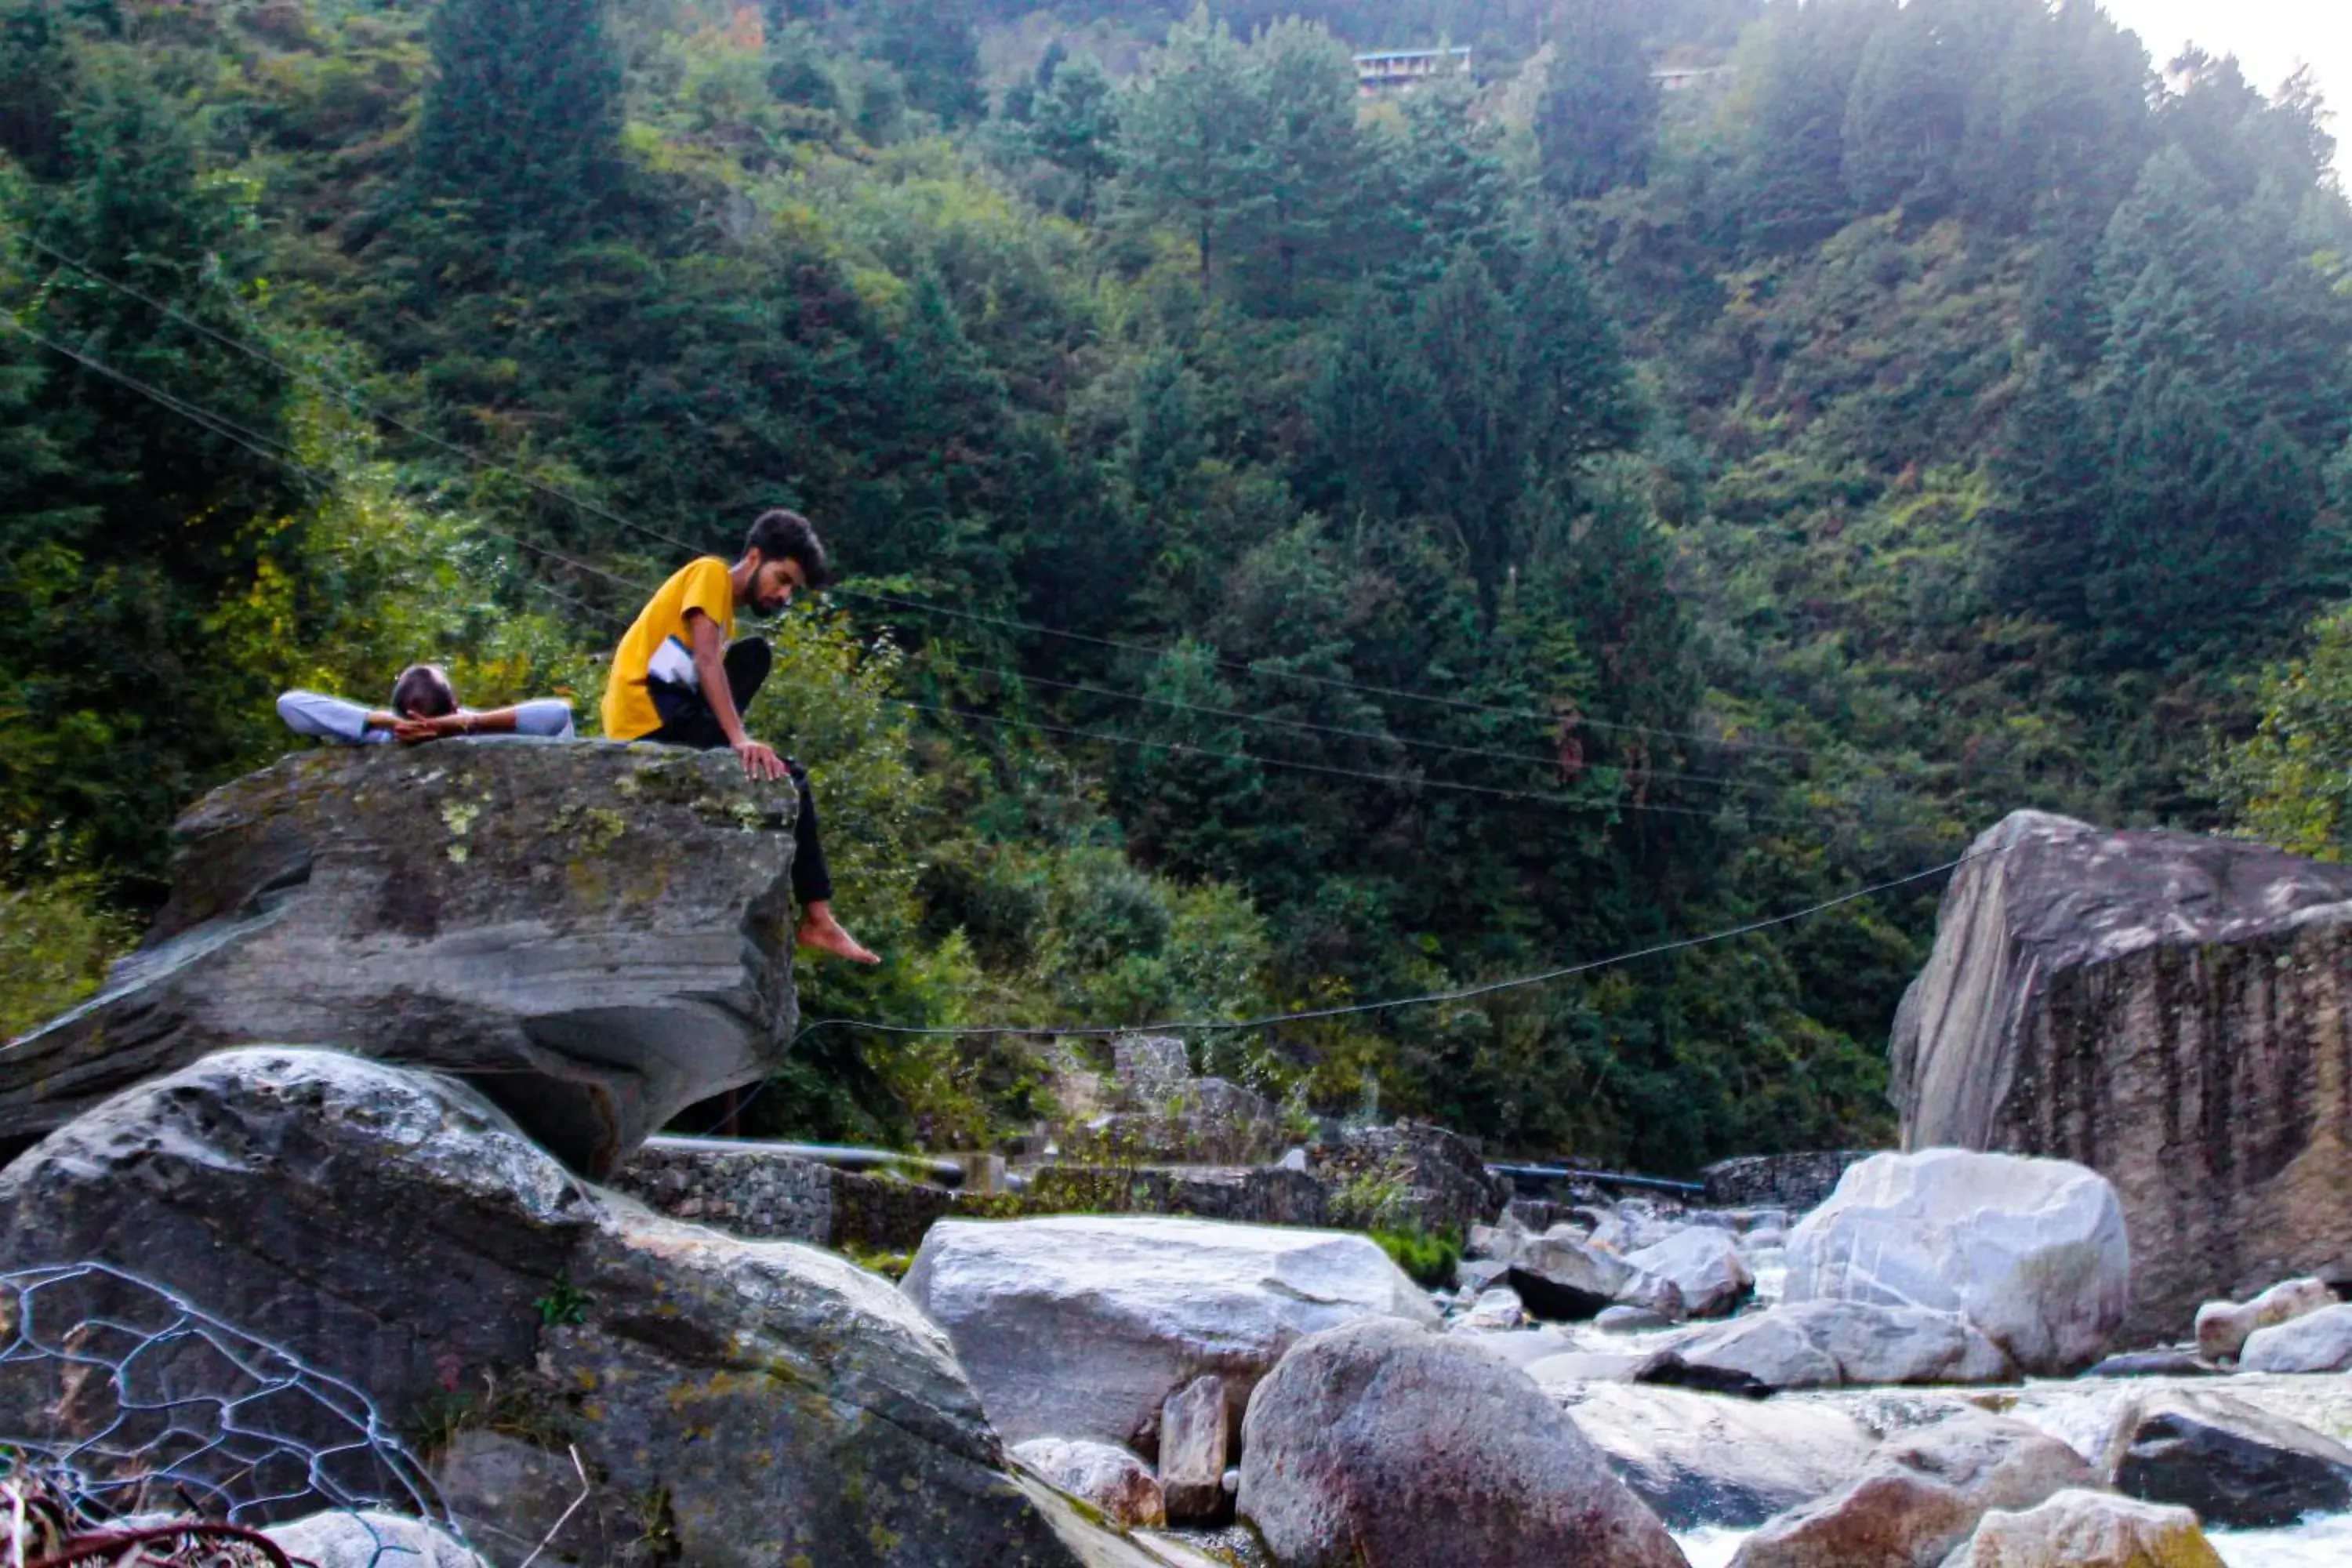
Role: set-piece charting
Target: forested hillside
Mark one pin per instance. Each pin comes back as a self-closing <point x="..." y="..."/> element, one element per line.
<point x="1303" y="547"/>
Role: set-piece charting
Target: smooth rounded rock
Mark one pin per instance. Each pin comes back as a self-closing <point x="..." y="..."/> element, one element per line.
<point x="1099" y="1474"/>
<point x="1704" y="1265"/>
<point x="2079" y="1528"/>
<point x="2222" y="1326"/>
<point x="1376" y="1446"/>
<point x="2320" y="1341"/>
<point x="395" y="1229"/>
<point x="1836" y="1345"/>
<point x="2031" y="1251"/>
<point x="2238" y="1466"/>
<point x="1921" y="1495"/>
<point x="367" y="1539"/>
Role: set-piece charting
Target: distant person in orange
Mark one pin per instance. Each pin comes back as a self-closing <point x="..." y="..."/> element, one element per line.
<point x="679" y="678"/>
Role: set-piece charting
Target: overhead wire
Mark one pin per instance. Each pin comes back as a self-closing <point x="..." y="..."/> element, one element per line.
<point x="1264" y="667"/>
<point x="1423" y="999"/>
<point x="1408" y="781"/>
<point x="1357" y="1009"/>
<point x="1537" y="758"/>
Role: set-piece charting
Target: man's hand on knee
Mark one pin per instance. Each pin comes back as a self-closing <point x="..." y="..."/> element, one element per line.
<point x="760" y="761"/>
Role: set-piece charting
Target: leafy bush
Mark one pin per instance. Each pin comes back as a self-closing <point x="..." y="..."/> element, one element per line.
<point x="1428" y="1259"/>
<point x="55" y="940"/>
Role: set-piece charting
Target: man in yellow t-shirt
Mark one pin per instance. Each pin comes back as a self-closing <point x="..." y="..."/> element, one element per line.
<point x="679" y="678"/>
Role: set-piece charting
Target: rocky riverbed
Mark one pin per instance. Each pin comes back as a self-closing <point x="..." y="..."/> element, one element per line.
<point x="1940" y="1358"/>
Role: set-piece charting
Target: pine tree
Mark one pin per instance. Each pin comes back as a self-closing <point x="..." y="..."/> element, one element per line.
<point x="1906" y="112"/>
<point x="1302" y="85"/>
<point x="2049" y="472"/>
<point x="1576" y="390"/>
<point x="1467" y="344"/>
<point x="521" y="121"/>
<point x="1792" y="178"/>
<point x="1598" y="117"/>
<point x="935" y="49"/>
<point x="1187" y="137"/>
<point x="1074" y="125"/>
<point x="37" y="79"/>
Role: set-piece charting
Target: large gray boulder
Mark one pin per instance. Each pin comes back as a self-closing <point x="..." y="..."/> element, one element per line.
<point x="594" y="936"/>
<point x="1703" y="1459"/>
<point x="2239" y="1466"/>
<point x="2033" y="1252"/>
<point x="395" y="1229"/>
<point x="1378" y="1446"/>
<point x="1082" y="1325"/>
<point x="2167" y="1008"/>
<point x="1840" y="1344"/>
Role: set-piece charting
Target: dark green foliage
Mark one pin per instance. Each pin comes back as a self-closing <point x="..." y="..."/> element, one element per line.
<point x="1504" y="545"/>
<point x="933" y="47"/>
<point x="1599" y="109"/>
<point x="521" y="124"/>
<point x="1428" y="1260"/>
<point x="1074" y="125"/>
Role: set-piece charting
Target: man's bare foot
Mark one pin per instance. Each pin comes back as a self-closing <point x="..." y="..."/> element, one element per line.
<point x="820" y="930"/>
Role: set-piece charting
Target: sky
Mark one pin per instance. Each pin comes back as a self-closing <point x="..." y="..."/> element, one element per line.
<point x="2269" y="38"/>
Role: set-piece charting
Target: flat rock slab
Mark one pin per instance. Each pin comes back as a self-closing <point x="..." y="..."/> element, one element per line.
<point x="1710" y="1460"/>
<point x="594" y="936"/>
<point x="1083" y="1325"/>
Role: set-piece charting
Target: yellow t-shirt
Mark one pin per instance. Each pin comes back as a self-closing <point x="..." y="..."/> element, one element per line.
<point x="658" y="640"/>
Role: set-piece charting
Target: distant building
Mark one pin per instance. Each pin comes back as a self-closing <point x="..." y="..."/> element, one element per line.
<point x="1682" y="79"/>
<point x="1390" y="70"/>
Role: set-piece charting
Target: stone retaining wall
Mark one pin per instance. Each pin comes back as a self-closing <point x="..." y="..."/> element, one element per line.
<point x="768" y="1194"/>
<point x="1794" y="1182"/>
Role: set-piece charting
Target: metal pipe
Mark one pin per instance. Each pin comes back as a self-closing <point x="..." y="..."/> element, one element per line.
<point x="1604" y="1178"/>
<point x="947" y="1172"/>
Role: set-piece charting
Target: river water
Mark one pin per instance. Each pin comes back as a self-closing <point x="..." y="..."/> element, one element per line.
<point x="2318" y="1543"/>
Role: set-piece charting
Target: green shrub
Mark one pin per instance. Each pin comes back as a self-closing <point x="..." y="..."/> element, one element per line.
<point x="1428" y="1260"/>
<point x="56" y="941"/>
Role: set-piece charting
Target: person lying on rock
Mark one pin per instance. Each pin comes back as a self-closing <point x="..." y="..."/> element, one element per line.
<point x="680" y="680"/>
<point x="424" y="707"/>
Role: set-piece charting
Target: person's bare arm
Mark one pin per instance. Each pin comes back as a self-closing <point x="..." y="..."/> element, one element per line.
<point x="490" y="721"/>
<point x="710" y="668"/>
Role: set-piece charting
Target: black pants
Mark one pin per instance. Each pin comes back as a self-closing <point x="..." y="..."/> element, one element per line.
<point x="687" y="721"/>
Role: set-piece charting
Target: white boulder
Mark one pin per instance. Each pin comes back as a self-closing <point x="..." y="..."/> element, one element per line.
<point x="1082" y="1325"/>
<point x="1704" y="1265"/>
<point x="2223" y="1327"/>
<point x="2320" y="1341"/>
<point x="2031" y="1251"/>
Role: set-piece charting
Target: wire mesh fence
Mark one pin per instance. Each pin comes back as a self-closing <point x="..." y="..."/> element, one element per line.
<point x="135" y="1427"/>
